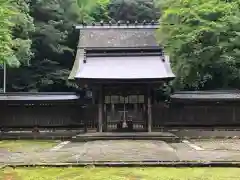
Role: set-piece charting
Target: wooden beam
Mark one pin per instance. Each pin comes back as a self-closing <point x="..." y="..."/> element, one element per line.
<point x="125" y="54"/>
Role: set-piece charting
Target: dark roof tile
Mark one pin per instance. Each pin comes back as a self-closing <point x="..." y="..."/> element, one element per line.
<point x="117" y="37"/>
<point x="38" y="96"/>
<point x="125" y="68"/>
<point x="207" y="95"/>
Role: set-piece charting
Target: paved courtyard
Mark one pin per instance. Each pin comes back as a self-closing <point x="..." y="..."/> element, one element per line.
<point x="129" y="150"/>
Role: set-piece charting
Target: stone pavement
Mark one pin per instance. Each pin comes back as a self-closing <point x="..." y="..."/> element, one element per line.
<point x="130" y="150"/>
<point x="204" y="133"/>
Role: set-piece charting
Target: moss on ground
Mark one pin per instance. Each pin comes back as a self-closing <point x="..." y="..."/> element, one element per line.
<point x="26" y="146"/>
<point x="120" y="173"/>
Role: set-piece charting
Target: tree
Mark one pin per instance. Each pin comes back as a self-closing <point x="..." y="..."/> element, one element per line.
<point x="132" y="10"/>
<point x="100" y="11"/>
<point x="202" y="38"/>
<point x="6" y="12"/>
<point x="94" y="10"/>
<point x="15" y="27"/>
<point x="22" y="29"/>
<point x="48" y="30"/>
<point x="53" y="43"/>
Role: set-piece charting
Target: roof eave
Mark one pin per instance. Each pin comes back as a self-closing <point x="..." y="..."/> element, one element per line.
<point x="112" y="80"/>
<point x="157" y="47"/>
<point x="205" y="99"/>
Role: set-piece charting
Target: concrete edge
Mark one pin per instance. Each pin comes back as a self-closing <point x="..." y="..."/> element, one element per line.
<point x="36" y="138"/>
<point x="2" y="166"/>
<point x="94" y="139"/>
<point x="168" y="139"/>
<point x="180" y="164"/>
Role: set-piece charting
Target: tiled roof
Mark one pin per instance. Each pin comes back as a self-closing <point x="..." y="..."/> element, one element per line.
<point x="117" y="36"/>
<point x="207" y="95"/>
<point x="38" y="96"/>
<point x="139" y="64"/>
<point x="125" y="68"/>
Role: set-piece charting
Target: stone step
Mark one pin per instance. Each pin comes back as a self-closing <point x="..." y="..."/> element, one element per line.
<point x="163" y="136"/>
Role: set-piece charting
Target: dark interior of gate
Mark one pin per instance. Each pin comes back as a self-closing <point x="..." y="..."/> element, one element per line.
<point x="125" y="104"/>
<point x="129" y="108"/>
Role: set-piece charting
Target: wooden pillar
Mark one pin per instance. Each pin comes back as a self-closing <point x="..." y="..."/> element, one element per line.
<point x="149" y="109"/>
<point x="100" y="109"/>
<point x="84" y="111"/>
<point x="145" y="109"/>
<point x="104" y="115"/>
<point x="112" y="109"/>
<point x="234" y="114"/>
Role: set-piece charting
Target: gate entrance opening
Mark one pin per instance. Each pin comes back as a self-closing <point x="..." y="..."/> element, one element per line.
<point x="125" y="113"/>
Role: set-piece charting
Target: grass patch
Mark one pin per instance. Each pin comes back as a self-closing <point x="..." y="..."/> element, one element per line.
<point x="26" y="146"/>
<point x="121" y="173"/>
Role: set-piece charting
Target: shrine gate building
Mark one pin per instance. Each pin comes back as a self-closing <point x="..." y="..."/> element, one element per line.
<point x="121" y="65"/>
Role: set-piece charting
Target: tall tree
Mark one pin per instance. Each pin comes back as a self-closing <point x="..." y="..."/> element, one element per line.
<point x="15" y="27"/>
<point x="6" y="13"/>
<point x="132" y="10"/>
<point x="22" y="31"/>
<point x="54" y="44"/>
<point x="202" y="38"/>
<point x="94" y="10"/>
<point x="21" y="41"/>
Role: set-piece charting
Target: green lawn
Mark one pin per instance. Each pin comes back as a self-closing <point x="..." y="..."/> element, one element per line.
<point x="26" y="146"/>
<point x="121" y="174"/>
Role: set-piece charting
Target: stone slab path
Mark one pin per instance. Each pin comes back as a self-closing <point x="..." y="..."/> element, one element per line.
<point x="130" y="150"/>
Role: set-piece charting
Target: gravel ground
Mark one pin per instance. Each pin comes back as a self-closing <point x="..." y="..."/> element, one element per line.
<point x="227" y="144"/>
<point x="131" y="150"/>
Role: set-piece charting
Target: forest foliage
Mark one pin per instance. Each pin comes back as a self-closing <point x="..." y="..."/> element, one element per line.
<point x="38" y="41"/>
<point x="203" y="40"/>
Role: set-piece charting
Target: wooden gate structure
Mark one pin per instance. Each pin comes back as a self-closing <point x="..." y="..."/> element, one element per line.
<point x="117" y="63"/>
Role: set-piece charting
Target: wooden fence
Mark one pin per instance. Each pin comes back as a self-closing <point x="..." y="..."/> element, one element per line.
<point x="196" y="115"/>
<point x="40" y="115"/>
<point x="64" y="115"/>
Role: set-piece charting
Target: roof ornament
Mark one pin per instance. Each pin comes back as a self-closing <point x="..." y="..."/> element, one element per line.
<point x="85" y="57"/>
<point x="163" y="56"/>
<point x="119" y="23"/>
<point x="84" y="23"/>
